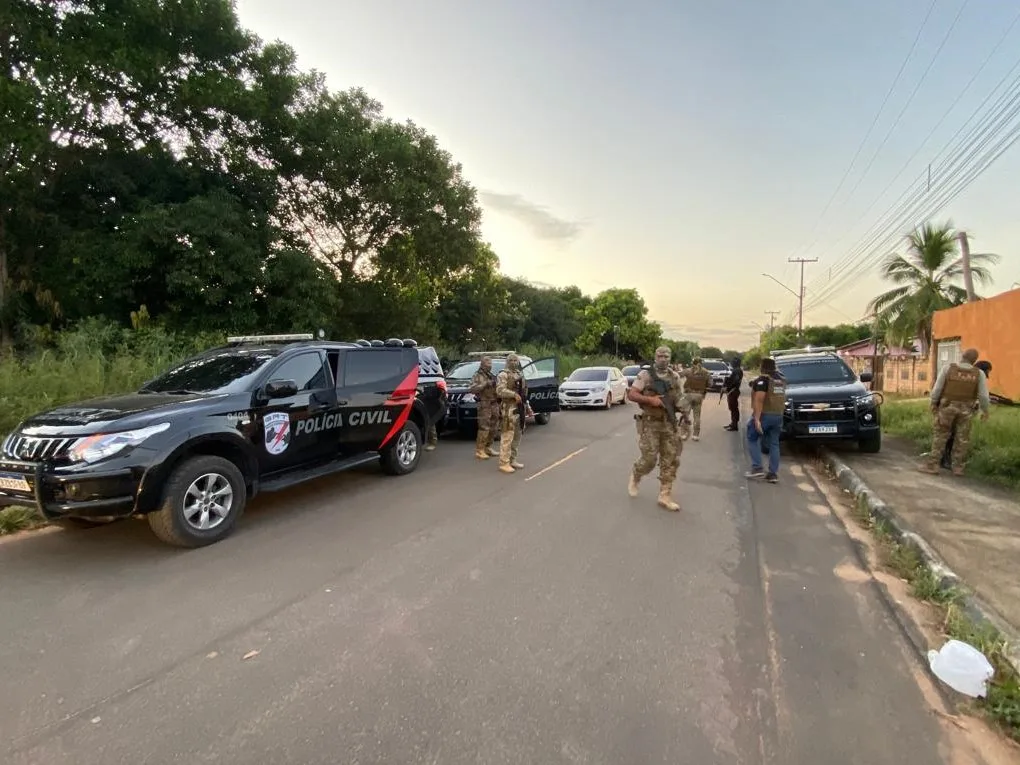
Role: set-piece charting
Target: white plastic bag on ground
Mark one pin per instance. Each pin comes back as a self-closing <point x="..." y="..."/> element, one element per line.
<point x="962" y="667"/>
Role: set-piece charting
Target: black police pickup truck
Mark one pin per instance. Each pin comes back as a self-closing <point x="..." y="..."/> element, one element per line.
<point x="543" y="389"/>
<point x="825" y="400"/>
<point x="190" y="447"/>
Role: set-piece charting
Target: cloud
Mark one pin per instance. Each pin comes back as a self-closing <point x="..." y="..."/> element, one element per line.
<point x="727" y="338"/>
<point x="543" y="223"/>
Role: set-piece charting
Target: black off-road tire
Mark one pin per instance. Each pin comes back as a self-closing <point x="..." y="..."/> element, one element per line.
<point x="543" y="418"/>
<point x="394" y="457"/>
<point x="168" y="522"/>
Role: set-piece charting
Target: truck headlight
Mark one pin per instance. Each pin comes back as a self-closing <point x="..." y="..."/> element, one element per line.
<point x="103" y="445"/>
<point x="867" y="400"/>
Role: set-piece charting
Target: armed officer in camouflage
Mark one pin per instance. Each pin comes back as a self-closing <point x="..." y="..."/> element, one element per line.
<point x="483" y="387"/>
<point x="959" y="390"/>
<point x="656" y="390"/>
<point x="512" y="392"/>
<point x="696" y="382"/>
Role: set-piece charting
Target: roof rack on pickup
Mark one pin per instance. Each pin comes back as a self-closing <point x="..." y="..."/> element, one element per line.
<point x="236" y="339"/>
<point x="393" y="342"/>
<point x="807" y="349"/>
<point x="491" y="353"/>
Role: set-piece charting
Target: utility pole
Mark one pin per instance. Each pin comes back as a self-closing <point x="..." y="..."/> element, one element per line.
<point x="800" y="302"/>
<point x="968" y="280"/>
<point x="772" y="319"/>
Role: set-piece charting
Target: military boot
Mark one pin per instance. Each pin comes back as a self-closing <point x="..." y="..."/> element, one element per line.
<point x="632" y="485"/>
<point x="507" y="469"/>
<point x="482" y="455"/>
<point x="517" y="465"/>
<point x="665" y="500"/>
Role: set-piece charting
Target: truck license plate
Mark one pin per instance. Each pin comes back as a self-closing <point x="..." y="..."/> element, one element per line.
<point x="822" y="429"/>
<point x="13" y="482"/>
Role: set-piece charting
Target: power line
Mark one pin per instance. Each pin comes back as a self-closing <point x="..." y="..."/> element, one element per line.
<point x="936" y="126"/>
<point x="874" y="122"/>
<point x="959" y="186"/>
<point x="1004" y="102"/>
<point x="910" y="99"/>
<point x="976" y="139"/>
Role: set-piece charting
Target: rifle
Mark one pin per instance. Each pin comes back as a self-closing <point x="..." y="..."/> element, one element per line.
<point x="522" y="408"/>
<point x="660" y="387"/>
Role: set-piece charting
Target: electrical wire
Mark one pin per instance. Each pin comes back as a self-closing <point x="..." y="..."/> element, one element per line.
<point x="976" y="139"/>
<point x="874" y="122"/>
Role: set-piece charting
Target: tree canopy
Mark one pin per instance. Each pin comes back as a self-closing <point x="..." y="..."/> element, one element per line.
<point x="156" y="154"/>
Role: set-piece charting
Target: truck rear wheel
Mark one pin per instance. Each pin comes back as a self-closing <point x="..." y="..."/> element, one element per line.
<point x="201" y="502"/>
<point x="402" y="454"/>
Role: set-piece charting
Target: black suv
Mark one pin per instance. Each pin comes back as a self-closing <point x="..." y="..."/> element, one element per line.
<point x="193" y="445"/>
<point x="543" y="388"/>
<point x="825" y="400"/>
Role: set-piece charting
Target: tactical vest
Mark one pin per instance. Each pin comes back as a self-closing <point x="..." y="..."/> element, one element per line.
<point x="489" y="392"/>
<point x="697" y="381"/>
<point x="775" y="397"/>
<point x="961" y="385"/>
<point x="658" y="412"/>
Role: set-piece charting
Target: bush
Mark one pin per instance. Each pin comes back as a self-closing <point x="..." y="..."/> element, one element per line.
<point x="93" y="359"/>
<point x="995" y="445"/>
<point x="96" y="358"/>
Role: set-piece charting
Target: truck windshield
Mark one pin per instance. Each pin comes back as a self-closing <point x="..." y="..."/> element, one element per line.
<point x="224" y="372"/>
<point x="816" y="371"/>
<point x="467" y="370"/>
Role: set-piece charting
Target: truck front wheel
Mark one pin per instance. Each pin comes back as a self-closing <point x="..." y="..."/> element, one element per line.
<point x="201" y="502"/>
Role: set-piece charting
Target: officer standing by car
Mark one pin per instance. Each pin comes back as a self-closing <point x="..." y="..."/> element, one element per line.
<point x="696" y="382"/>
<point x="768" y="399"/>
<point x="656" y="390"/>
<point x="731" y="389"/>
<point x="512" y="392"/>
<point x="483" y="387"/>
<point x="958" y="391"/>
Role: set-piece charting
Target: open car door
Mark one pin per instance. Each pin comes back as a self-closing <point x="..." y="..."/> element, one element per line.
<point x="542" y="376"/>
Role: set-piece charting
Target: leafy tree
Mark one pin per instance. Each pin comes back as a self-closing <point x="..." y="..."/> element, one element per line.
<point x="625" y="310"/>
<point x="926" y="277"/>
<point x="711" y="352"/>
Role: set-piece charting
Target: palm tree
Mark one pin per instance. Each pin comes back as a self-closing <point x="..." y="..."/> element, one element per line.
<point x="927" y="279"/>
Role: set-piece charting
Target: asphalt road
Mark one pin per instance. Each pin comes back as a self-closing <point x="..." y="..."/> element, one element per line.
<point x="459" y="615"/>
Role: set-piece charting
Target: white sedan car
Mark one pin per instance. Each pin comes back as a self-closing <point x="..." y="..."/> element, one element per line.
<point x="593" y="386"/>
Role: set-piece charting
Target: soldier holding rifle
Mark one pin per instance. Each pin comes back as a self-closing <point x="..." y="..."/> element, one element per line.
<point x="656" y="390"/>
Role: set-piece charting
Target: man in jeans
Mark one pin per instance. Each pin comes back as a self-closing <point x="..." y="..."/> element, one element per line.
<point x="768" y="398"/>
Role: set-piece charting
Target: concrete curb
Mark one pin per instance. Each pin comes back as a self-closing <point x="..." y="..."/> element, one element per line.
<point x="977" y="611"/>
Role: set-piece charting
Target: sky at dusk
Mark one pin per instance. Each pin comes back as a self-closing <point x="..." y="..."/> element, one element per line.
<point x="686" y="148"/>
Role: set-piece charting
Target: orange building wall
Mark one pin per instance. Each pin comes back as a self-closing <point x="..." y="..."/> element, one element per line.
<point x="993" y="327"/>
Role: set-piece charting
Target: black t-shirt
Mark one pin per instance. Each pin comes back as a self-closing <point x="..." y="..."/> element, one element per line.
<point x="734" y="379"/>
<point x="761" y="384"/>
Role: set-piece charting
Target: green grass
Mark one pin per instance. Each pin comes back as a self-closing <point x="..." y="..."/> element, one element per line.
<point x="995" y="445"/>
<point x="13" y="519"/>
<point x="1002" y="705"/>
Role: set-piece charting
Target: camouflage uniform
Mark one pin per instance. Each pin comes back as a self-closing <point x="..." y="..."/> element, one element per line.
<point x="958" y="392"/>
<point x="658" y="439"/>
<point x="483" y="386"/>
<point x="696" y="382"/>
<point x="512" y="392"/>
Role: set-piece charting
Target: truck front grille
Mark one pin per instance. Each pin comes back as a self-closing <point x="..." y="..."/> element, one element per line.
<point x="32" y="448"/>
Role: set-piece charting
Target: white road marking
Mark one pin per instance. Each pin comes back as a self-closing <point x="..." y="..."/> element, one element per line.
<point x="557" y="463"/>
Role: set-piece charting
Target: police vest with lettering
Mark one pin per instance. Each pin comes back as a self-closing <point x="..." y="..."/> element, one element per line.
<point x="697" y="380"/>
<point x="672" y="383"/>
<point x="961" y="385"/>
<point x="775" y="397"/>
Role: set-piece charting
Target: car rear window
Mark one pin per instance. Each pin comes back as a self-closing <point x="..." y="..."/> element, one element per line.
<point x="631" y="370"/>
<point x="589" y="375"/>
<point x="369" y="366"/>
<point x="715" y="366"/>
